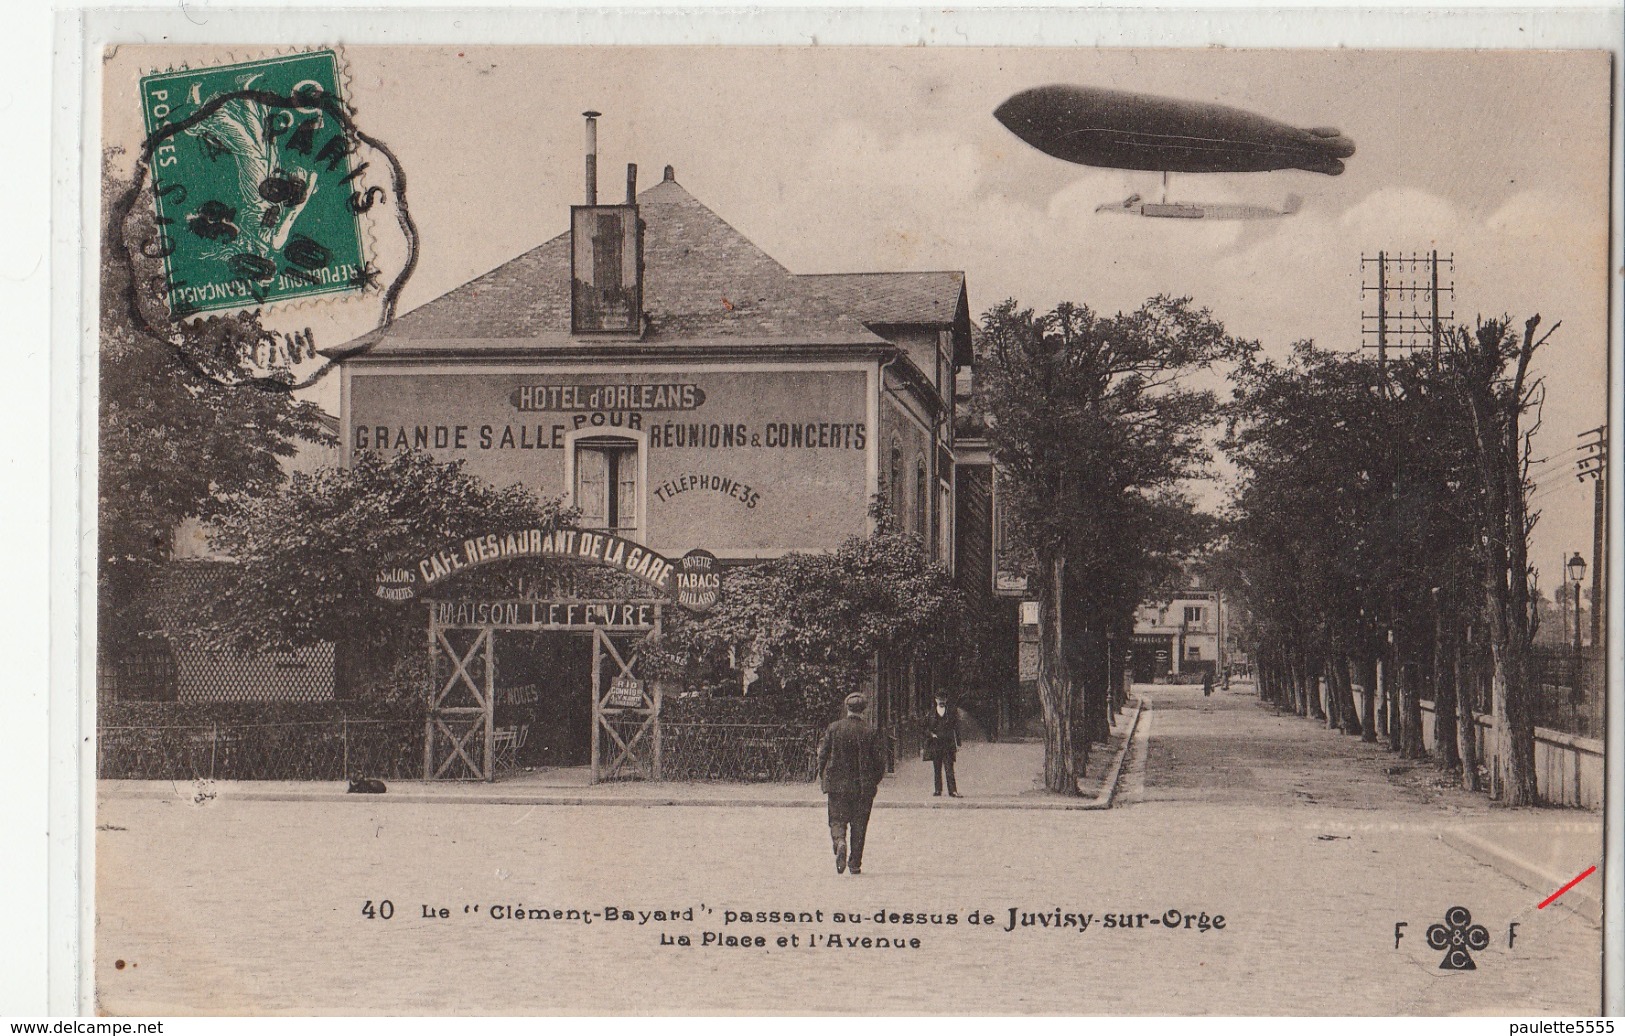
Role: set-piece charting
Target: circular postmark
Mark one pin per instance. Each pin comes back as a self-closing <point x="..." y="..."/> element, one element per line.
<point x="250" y="195"/>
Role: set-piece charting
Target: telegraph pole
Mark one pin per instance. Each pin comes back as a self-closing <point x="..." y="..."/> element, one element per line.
<point x="1407" y="295"/>
<point x="1594" y="465"/>
<point x="1433" y="294"/>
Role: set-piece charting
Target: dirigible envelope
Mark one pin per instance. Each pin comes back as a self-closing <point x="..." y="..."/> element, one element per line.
<point x="1120" y="130"/>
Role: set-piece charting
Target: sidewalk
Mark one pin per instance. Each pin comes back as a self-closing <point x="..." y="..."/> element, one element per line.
<point x="1542" y="854"/>
<point x="1234" y="749"/>
<point x="1005" y="775"/>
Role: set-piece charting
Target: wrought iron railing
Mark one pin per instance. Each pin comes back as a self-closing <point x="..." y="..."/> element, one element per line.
<point x="330" y="750"/>
<point x="763" y="752"/>
<point x="1570" y="690"/>
<point x="324" y="750"/>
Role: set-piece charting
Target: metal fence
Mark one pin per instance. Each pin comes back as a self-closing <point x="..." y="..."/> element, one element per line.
<point x="325" y="750"/>
<point x="1570" y="690"/>
<point x="738" y="752"/>
<point x="330" y="750"/>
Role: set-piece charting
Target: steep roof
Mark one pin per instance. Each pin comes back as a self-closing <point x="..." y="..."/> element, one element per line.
<point x="703" y="282"/>
<point x="931" y="298"/>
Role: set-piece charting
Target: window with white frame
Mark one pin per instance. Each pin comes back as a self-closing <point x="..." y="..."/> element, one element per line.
<point x="606" y="484"/>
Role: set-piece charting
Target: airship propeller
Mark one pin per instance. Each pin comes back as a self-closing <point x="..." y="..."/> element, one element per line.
<point x="1115" y="129"/>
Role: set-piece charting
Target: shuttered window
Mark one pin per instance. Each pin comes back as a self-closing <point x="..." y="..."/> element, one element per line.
<point x="606" y="488"/>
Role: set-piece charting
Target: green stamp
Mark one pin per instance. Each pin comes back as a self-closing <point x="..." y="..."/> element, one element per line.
<point x="257" y="201"/>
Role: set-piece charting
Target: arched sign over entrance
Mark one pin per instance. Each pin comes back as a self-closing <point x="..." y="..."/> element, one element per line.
<point x="601" y="548"/>
<point x="460" y="738"/>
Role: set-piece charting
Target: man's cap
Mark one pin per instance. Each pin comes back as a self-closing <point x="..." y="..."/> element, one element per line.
<point x="942" y="696"/>
<point x="856" y="702"/>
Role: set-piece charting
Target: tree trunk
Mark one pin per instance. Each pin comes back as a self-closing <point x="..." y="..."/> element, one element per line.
<point x="1512" y="777"/>
<point x="1368" y="699"/>
<point x="1343" y="687"/>
<point x="1308" y="688"/>
<point x="1410" y="710"/>
<point x="1096" y="702"/>
<point x="1326" y="690"/>
<point x="1390" y="700"/>
<point x="1445" y="752"/>
<point x="1520" y="717"/>
<point x="1467" y="707"/>
<point x="1055" y="690"/>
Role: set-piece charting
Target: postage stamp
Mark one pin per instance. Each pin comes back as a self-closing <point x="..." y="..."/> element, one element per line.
<point x="253" y="183"/>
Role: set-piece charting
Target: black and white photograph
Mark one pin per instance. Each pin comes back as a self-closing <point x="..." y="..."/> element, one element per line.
<point x="890" y="530"/>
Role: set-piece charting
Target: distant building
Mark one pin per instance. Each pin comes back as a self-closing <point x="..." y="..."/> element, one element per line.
<point x="1009" y="701"/>
<point x="168" y="663"/>
<point x="1179" y="638"/>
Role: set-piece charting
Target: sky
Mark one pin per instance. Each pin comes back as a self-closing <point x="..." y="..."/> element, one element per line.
<point x="859" y="159"/>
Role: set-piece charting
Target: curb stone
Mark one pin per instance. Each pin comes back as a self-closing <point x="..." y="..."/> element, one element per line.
<point x="1580" y="899"/>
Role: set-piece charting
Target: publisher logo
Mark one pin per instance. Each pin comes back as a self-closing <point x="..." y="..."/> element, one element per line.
<point x="1457" y="937"/>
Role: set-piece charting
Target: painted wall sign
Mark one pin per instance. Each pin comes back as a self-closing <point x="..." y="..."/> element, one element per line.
<point x="601" y="548"/>
<point x="729" y="487"/>
<point x="397" y="584"/>
<point x="698" y="581"/>
<point x="558" y="615"/>
<point x="678" y="396"/>
<point x="808" y="435"/>
<point x="798" y="444"/>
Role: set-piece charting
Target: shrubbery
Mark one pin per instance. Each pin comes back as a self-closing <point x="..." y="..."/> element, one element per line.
<point x="811" y="625"/>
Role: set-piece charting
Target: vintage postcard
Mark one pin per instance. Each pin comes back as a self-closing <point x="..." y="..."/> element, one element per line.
<point x="849" y="530"/>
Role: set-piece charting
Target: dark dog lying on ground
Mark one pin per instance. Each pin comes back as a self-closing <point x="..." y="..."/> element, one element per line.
<point x="360" y="785"/>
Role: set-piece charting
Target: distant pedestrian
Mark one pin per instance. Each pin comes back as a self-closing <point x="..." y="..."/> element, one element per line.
<point x="851" y="762"/>
<point x="1207" y="684"/>
<point x="941" y="744"/>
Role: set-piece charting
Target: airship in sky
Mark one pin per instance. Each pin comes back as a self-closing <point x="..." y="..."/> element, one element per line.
<point x="1121" y="130"/>
<point x="1115" y="129"/>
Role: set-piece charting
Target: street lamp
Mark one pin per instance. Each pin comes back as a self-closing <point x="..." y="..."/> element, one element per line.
<point x="1577" y="573"/>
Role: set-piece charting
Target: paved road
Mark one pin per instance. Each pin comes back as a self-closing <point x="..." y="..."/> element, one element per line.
<point x="1295" y="835"/>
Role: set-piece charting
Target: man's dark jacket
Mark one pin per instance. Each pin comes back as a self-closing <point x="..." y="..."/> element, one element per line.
<point x="851" y="758"/>
<point x="942" y="733"/>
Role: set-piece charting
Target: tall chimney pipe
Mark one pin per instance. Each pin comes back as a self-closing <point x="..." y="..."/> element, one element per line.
<point x="631" y="183"/>
<point x="592" y="156"/>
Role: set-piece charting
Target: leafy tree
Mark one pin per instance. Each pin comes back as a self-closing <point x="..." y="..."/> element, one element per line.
<point x="1311" y="518"/>
<point x="309" y="557"/>
<point x="1372" y="501"/>
<point x="809" y="626"/>
<point x="1094" y="427"/>
<point x="176" y="438"/>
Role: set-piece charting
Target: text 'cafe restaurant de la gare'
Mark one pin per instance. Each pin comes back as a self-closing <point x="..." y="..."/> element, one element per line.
<point x="694" y="400"/>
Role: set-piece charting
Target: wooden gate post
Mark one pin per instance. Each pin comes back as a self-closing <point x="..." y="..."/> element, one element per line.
<point x="429" y="703"/>
<point x="656" y="732"/>
<point x="597" y="703"/>
<point x="490" y="703"/>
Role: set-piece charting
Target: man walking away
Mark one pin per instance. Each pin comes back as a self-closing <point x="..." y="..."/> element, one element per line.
<point x="942" y="743"/>
<point x="851" y="762"/>
<point x="1207" y="683"/>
